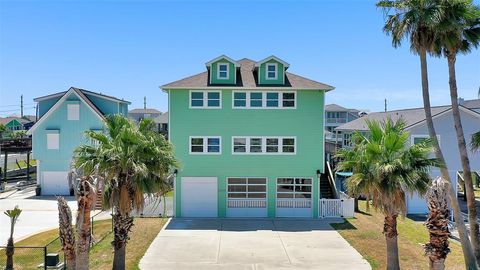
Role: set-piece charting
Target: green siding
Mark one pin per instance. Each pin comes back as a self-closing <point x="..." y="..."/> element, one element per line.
<point x="305" y="122"/>
<point x="262" y="73"/>
<point x="231" y="76"/>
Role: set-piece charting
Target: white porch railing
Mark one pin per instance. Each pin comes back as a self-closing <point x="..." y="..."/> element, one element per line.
<point x="336" y="208"/>
<point x="246" y="203"/>
<point x="294" y="203"/>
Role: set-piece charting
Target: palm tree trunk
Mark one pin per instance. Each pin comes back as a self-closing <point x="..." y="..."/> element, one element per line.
<point x="469" y="255"/>
<point x="437" y="265"/>
<point x="462" y="148"/>
<point x="85" y="200"/>
<point x="10" y="250"/>
<point x="122" y="224"/>
<point x="67" y="236"/>
<point x="390" y="232"/>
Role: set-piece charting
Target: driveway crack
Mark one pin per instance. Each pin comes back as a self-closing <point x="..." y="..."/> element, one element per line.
<point x="281" y="240"/>
<point x="219" y="241"/>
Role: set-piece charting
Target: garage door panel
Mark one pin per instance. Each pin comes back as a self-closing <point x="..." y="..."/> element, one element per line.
<point x="55" y="183"/>
<point x="246" y="197"/>
<point x="199" y="197"/>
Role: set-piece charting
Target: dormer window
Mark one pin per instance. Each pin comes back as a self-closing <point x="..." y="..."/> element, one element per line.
<point x="223" y="71"/>
<point x="272" y="71"/>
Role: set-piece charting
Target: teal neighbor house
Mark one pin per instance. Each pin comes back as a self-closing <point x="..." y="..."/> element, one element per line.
<point x="63" y="119"/>
<point x="250" y="138"/>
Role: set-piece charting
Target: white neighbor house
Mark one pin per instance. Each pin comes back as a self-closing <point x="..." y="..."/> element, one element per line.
<point x="444" y="126"/>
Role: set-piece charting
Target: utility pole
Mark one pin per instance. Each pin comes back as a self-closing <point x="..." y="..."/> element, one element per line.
<point x="21" y="106"/>
<point x="145" y="103"/>
<point x="385" y="105"/>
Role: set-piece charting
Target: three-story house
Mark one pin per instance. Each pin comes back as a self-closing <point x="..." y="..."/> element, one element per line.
<point x="250" y="139"/>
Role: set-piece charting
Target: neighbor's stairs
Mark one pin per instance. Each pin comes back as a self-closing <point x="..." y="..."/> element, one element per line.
<point x="98" y="202"/>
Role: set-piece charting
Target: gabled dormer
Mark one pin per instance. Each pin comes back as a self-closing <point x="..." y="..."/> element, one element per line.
<point x="222" y="70"/>
<point x="271" y="71"/>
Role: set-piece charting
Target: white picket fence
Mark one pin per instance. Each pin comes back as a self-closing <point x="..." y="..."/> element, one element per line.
<point x="336" y="208"/>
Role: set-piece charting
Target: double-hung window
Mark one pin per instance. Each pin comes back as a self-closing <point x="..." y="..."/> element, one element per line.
<point x="272" y="71"/>
<point x="223" y="70"/>
<point x="264" y="100"/>
<point x="205" y="145"/>
<point x="205" y="99"/>
<point x="264" y="145"/>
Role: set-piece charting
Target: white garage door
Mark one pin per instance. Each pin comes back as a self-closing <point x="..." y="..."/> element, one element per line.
<point x="294" y="197"/>
<point x="199" y="196"/>
<point x="55" y="183"/>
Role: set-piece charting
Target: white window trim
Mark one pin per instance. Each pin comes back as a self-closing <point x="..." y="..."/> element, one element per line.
<point x="266" y="71"/>
<point x="422" y="136"/>
<point x="264" y="145"/>
<point x="71" y="116"/>
<point x="264" y="100"/>
<point x="205" y="145"/>
<point x="53" y="136"/>
<point x="218" y="71"/>
<point x="205" y="99"/>
<point x="293" y="192"/>
<point x="246" y="192"/>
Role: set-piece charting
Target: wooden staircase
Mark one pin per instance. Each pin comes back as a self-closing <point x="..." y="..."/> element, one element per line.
<point x="326" y="190"/>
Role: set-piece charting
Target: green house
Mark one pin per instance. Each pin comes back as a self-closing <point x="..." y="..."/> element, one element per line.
<point x="250" y="138"/>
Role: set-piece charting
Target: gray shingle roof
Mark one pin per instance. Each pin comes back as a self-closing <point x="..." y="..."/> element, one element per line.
<point x="337" y="108"/>
<point x="246" y="78"/>
<point x="60" y="94"/>
<point x="161" y="119"/>
<point x="151" y="111"/>
<point x="410" y="116"/>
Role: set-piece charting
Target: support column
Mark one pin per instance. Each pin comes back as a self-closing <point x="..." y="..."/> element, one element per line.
<point x="28" y="166"/>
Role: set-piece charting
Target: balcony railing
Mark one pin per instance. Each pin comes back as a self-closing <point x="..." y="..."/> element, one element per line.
<point x="336" y="120"/>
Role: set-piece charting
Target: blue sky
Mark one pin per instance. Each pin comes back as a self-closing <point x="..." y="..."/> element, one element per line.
<point x="129" y="48"/>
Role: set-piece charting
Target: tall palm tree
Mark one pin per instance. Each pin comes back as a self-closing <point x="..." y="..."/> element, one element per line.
<point x="86" y="196"/>
<point x="10" y="250"/>
<point x="459" y="32"/>
<point x="394" y="169"/>
<point x="475" y="143"/>
<point x="416" y="20"/>
<point x="134" y="162"/>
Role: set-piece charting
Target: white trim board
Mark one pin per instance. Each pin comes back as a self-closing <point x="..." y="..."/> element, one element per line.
<point x="272" y="57"/>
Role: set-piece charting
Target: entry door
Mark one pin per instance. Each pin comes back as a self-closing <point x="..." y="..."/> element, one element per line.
<point x="55" y="183"/>
<point x="294" y="197"/>
<point x="199" y="196"/>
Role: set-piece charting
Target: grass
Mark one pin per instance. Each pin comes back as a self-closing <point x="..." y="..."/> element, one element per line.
<point x="101" y="255"/>
<point x="22" y="163"/>
<point x="169" y="194"/>
<point x="30" y="258"/>
<point x="364" y="233"/>
<point x="142" y="234"/>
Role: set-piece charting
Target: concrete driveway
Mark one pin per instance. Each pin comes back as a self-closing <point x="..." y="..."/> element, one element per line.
<point x="38" y="213"/>
<point x="251" y="244"/>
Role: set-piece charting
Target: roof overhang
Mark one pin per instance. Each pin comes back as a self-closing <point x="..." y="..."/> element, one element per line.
<point x="87" y="92"/>
<point x="80" y="95"/>
<point x="209" y="63"/>
<point x="272" y="57"/>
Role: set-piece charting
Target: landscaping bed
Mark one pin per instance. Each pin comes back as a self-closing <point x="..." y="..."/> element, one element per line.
<point x="364" y="233"/>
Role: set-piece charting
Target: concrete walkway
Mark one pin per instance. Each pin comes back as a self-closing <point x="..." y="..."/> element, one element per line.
<point x="251" y="244"/>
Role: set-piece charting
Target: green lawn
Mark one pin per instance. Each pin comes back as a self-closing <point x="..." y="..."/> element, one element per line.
<point x="169" y="194"/>
<point x="101" y="255"/>
<point x="23" y="164"/>
<point x="30" y="258"/>
<point x="364" y="233"/>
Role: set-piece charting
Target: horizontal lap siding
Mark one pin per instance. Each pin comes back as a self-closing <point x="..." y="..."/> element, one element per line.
<point x="305" y="122"/>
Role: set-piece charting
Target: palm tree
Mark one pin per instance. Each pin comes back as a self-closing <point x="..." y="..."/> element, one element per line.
<point x="3" y="129"/>
<point x="67" y="235"/>
<point x="416" y="20"/>
<point x="10" y="250"/>
<point x="475" y="143"/>
<point x="385" y="166"/>
<point x="134" y="162"/>
<point x="86" y="196"/>
<point x="459" y="32"/>
<point x="437" y="224"/>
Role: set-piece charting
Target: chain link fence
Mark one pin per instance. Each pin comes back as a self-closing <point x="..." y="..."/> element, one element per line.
<point x="39" y="257"/>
